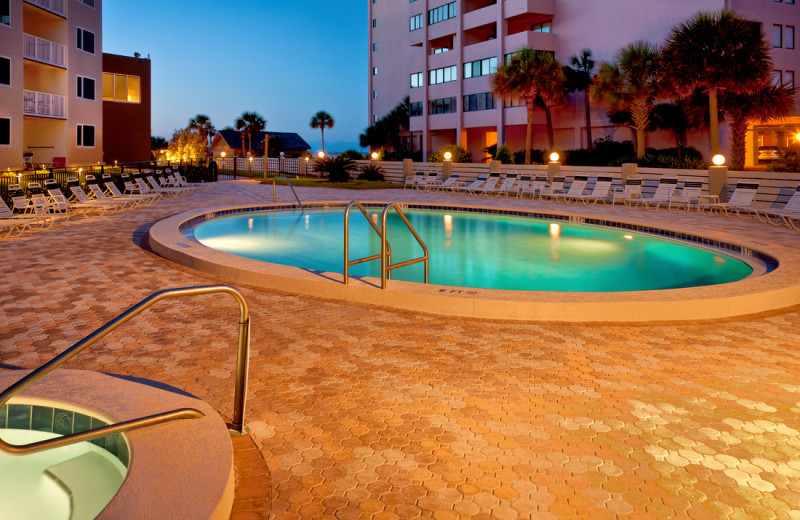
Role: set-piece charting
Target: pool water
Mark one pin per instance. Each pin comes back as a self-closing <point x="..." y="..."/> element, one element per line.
<point x="476" y="250"/>
<point x="27" y="492"/>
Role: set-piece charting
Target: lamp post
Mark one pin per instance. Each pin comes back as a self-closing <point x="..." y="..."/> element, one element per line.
<point x="554" y="166"/>
<point x="717" y="175"/>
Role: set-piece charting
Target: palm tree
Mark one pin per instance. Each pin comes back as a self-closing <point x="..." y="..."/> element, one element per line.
<point x="531" y="74"/>
<point x="630" y="83"/>
<point x="322" y="120"/>
<point x="765" y="102"/>
<point x="579" y="77"/>
<point x="248" y="124"/>
<point x="713" y="52"/>
<point x="202" y="123"/>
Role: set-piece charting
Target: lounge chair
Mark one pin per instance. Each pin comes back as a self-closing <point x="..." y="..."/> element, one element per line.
<point x="100" y="196"/>
<point x="666" y="185"/>
<point x="601" y="191"/>
<point x="182" y="182"/>
<point x="429" y="181"/>
<point x="630" y="191"/>
<point x="157" y="186"/>
<point x="143" y="187"/>
<point x="524" y="183"/>
<point x="113" y="192"/>
<point x="488" y="186"/>
<point x="39" y="210"/>
<point x="472" y="186"/>
<point x="787" y="214"/>
<point x="555" y="187"/>
<point x="576" y="189"/>
<point x="413" y="181"/>
<point x="84" y="202"/>
<point x="448" y="183"/>
<point x="10" y="223"/>
<point x="687" y="196"/>
<point x="742" y="200"/>
<point x="509" y="182"/>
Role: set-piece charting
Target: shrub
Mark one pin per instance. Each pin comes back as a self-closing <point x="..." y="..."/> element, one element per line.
<point x="371" y="172"/>
<point x="653" y="159"/>
<point x="460" y="155"/>
<point x="337" y="168"/>
<point x="353" y="154"/>
<point x="537" y="157"/>
<point x="504" y="154"/>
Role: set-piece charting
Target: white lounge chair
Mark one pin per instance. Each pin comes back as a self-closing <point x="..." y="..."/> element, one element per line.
<point x="601" y="191"/>
<point x="555" y="187"/>
<point x="413" y="181"/>
<point x="113" y="192"/>
<point x="630" y="191"/>
<point x="479" y="181"/>
<point x="787" y="214"/>
<point x="523" y="185"/>
<point x="488" y="186"/>
<point x="11" y="224"/>
<point x="687" y="196"/>
<point x="85" y="203"/>
<point x="575" y="191"/>
<point x="666" y="185"/>
<point x="448" y="183"/>
<point x="742" y="200"/>
<point x="508" y="183"/>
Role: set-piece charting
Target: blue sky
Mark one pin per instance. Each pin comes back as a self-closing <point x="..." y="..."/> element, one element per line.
<point x="284" y="60"/>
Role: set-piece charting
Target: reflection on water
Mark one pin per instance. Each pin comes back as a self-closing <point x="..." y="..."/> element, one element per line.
<point x="477" y="250"/>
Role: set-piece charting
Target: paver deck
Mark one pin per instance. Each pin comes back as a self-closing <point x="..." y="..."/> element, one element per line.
<point x="378" y="413"/>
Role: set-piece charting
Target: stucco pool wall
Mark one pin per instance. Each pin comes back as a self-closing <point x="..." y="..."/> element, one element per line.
<point x="778" y="288"/>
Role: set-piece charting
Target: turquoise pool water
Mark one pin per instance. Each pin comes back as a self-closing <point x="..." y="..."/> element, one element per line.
<point x="476" y="250"/>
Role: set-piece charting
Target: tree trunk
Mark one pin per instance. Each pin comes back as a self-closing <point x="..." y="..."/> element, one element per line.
<point x="713" y="118"/>
<point x="588" y="121"/>
<point x="243" y="141"/>
<point x="738" y="136"/>
<point x="640" y="114"/>
<point x="322" y="129"/>
<point x="549" y="120"/>
<point x="528" y="129"/>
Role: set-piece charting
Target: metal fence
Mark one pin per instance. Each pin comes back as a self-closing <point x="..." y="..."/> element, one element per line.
<point x="233" y="168"/>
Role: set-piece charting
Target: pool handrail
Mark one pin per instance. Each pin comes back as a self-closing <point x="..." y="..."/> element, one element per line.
<point x="386" y="263"/>
<point x="290" y="185"/>
<point x="242" y="363"/>
<point x="347" y="261"/>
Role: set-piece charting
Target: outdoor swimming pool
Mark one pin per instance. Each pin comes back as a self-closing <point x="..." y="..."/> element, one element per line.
<point x="477" y="250"/>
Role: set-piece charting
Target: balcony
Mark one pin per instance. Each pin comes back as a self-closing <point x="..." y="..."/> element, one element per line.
<point x="515" y="8"/>
<point x="45" y="51"/>
<point x="43" y="104"/>
<point x="535" y="40"/>
<point x="480" y="17"/>
<point x="54" y="6"/>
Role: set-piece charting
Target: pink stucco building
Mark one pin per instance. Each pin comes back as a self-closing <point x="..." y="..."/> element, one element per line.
<point x="441" y="53"/>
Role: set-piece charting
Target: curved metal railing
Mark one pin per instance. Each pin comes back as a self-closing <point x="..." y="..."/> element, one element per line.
<point x="242" y="362"/>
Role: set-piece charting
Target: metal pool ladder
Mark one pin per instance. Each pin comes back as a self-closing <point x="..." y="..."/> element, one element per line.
<point x="290" y="185"/>
<point x="385" y="255"/>
<point x="242" y="362"/>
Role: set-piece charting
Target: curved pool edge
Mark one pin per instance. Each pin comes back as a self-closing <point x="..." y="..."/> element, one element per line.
<point x="772" y="291"/>
<point x="179" y="469"/>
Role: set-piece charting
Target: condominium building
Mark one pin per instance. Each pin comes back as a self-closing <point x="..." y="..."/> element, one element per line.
<point x="51" y="68"/>
<point x="442" y="53"/>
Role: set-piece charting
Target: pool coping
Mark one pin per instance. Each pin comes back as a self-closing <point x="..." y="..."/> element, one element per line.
<point x="774" y="290"/>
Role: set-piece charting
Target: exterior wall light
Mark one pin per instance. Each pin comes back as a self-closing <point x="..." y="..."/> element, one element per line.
<point x="554" y="157"/>
<point x="718" y="160"/>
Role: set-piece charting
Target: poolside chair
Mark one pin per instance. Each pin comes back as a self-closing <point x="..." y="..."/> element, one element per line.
<point x="177" y="182"/>
<point x="448" y="182"/>
<point x="576" y="189"/>
<point x="630" y="191"/>
<point x="29" y="208"/>
<point x="688" y="195"/>
<point x="509" y="182"/>
<point x="555" y="187"/>
<point x="430" y="181"/>
<point x="84" y="202"/>
<point x="488" y="186"/>
<point x="157" y="186"/>
<point x="742" y="200"/>
<point x="11" y="223"/>
<point x="479" y="181"/>
<point x="523" y="184"/>
<point x="99" y="194"/>
<point x="143" y="187"/>
<point x="185" y="184"/>
<point x="413" y="181"/>
<point x="666" y="185"/>
<point x="601" y="191"/>
<point x="787" y="214"/>
<point x="113" y="192"/>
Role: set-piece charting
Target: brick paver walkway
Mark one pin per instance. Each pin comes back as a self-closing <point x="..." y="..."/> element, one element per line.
<point x="376" y="413"/>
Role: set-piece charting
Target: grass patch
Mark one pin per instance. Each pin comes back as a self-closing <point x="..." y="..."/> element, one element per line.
<point x="324" y="183"/>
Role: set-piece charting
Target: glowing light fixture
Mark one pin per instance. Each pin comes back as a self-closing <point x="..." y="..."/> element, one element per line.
<point x="223" y="155"/>
<point x="718" y="159"/>
<point x="321" y="155"/>
<point x="448" y="156"/>
<point x="628" y="237"/>
<point x="554" y="156"/>
<point x="374" y="155"/>
<point x="797" y="137"/>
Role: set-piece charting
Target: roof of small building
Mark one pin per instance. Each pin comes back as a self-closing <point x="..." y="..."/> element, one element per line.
<point x="290" y="140"/>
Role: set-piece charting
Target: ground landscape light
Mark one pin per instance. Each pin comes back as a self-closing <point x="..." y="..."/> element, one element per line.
<point x="554" y="156"/>
<point x="718" y="159"/>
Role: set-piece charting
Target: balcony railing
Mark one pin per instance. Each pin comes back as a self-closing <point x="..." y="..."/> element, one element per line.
<point x="44" y="104"/>
<point x="55" y="6"/>
<point x="45" y="51"/>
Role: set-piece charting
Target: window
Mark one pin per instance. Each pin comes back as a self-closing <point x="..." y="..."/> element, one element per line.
<point x="544" y="27"/>
<point x="416" y="109"/>
<point x="483" y="101"/>
<point x="442" y="75"/>
<point x="442" y="106"/>
<point x="788" y="37"/>
<point x="483" y="67"/>
<point x="120" y="87"/>
<point x="86" y="40"/>
<point x="88" y="3"/>
<point x="777" y="36"/>
<point x="374" y="47"/>
<point x="417" y="80"/>
<point x="776" y="78"/>
<point x="86" y="88"/>
<point x="86" y="136"/>
<point x="374" y="71"/>
<point x="788" y="78"/>
<point x="5" y="131"/>
<point x="374" y="22"/>
<point x="442" y="13"/>
<point x="5" y="71"/>
<point x="415" y="22"/>
<point x="5" y="12"/>
<point x="374" y="94"/>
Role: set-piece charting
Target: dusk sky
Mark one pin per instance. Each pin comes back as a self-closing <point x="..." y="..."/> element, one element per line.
<point x="284" y="60"/>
